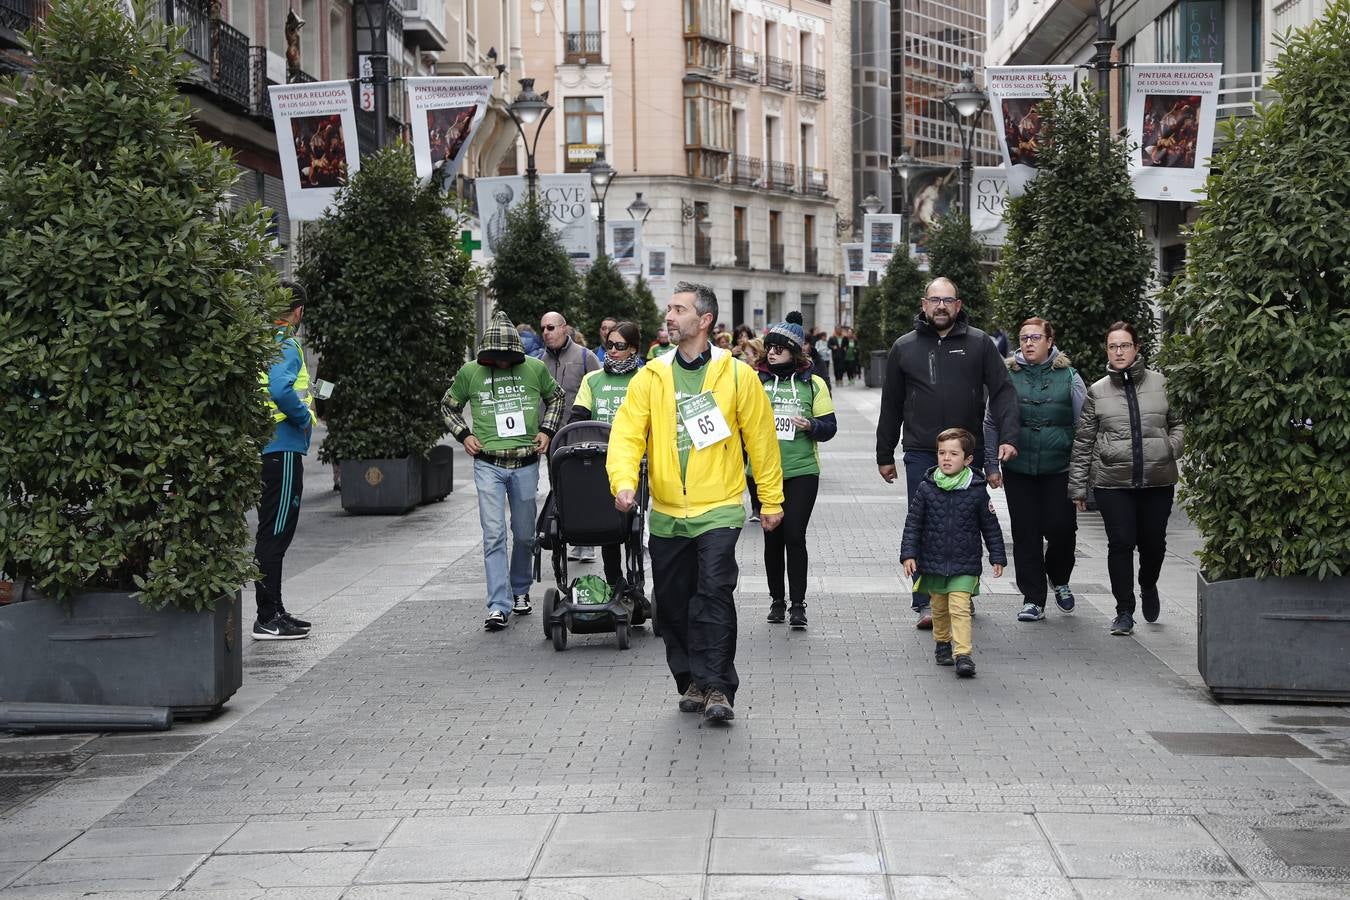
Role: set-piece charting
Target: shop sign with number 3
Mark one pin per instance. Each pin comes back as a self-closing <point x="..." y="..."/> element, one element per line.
<point x="703" y="420"/>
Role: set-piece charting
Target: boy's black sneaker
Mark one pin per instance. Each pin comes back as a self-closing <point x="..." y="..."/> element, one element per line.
<point x="1150" y="602"/>
<point x="943" y="653"/>
<point x="277" y="629"/>
<point x="797" y="616"/>
<point x="1122" y="625"/>
<point x="1064" y="597"/>
<point x="777" y="611"/>
<point x="965" y="667"/>
<point x="717" y="708"/>
<point x="521" y="605"/>
<point x="495" y="621"/>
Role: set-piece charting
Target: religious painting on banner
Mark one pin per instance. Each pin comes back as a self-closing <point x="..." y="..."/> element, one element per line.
<point x="446" y="112"/>
<point x="934" y="191"/>
<point x="1172" y="111"/>
<point x="658" y="269"/>
<point x="566" y="198"/>
<point x="1015" y="92"/>
<point x="881" y="235"/>
<point x="316" y="143"/>
<point x="855" y="265"/>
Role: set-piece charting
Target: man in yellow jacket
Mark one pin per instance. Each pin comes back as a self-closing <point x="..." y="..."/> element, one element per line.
<point x="693" y="412"/>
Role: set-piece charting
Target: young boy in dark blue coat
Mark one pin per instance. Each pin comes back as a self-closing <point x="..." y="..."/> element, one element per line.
<point x="947" y="516"/>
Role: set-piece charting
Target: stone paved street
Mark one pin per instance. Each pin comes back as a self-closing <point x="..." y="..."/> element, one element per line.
<point x="403" y="752"/>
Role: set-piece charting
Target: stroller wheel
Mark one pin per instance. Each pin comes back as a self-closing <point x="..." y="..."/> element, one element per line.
<point x="560" y="636"/>
<point x="622" y="634"/>
<point x="550" y="603"/>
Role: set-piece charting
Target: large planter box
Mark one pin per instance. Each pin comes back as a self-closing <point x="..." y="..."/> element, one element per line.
<point x="438" y="474"/>
<point x="381" y="486"/>
<point x="874" y="373"/>
<point x="1275" y="638"/>
<point x="108" y="649"/>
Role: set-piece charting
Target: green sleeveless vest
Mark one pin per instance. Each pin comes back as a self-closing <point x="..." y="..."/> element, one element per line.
<point x="1045" y="398"/>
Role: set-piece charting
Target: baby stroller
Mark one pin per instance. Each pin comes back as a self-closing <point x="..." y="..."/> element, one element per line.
<point x="579" y="510"/>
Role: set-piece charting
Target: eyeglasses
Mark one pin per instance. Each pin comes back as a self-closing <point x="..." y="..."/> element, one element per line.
<point x="1114" y="348"/>
<point x="1032" y="338"/>
<point x="942" y="301"/>
<point x="550" y="327"/>
<point x="616" y="345"/>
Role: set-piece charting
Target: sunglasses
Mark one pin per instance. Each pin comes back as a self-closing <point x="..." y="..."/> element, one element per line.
<point x="616" y="345"/>
<point x="550" y="327"/>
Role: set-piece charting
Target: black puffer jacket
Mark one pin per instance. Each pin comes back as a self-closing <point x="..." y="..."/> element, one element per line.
<point x="943" y="528"/>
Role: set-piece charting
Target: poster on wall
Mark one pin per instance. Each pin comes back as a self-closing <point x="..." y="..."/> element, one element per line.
<point x="623" y="241"/>
<point x="989" y="188"/>
<point x="316" y="143"/>
<point x="566" y="197"/>
<point x="881" y="235"/>
<point x="446" y="112"/>
<point x="657" y="269"/>
<point x="855" y="265"/>
<point x="1014" y="94"/>
<point x="1172" y="112"/>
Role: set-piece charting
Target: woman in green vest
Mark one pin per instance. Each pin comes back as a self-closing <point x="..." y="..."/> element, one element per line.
<point x="598" y="400"/>
<point x="1050" y="401"/>
<point x="803" y="417"/>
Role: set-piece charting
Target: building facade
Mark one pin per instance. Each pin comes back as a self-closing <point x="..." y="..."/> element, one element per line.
<point x="722" y="114"/>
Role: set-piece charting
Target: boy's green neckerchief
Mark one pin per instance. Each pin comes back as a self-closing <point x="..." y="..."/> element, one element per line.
<point x="955" y="482"/>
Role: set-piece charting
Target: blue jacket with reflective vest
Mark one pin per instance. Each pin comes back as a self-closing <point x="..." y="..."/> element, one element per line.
<point x="286" y="394"/>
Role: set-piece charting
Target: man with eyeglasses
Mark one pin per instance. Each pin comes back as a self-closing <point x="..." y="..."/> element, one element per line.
<point x="938" y="376"/>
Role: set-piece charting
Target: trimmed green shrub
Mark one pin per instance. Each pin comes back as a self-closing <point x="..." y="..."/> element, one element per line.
<point x="603" y="293"/>
<point x="1259" y="364"/>
<point x="135" y="318"/>
<point x="953" y="253"/>
<point x="888" y="307"/>
<point x="531" y="273"/>
<point x="1075" y="252"/>
<point x="647" y="313"/>
<point x="391" y="310"/>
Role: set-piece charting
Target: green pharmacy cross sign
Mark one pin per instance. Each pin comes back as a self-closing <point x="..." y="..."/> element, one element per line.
<point x="468" y="244"/>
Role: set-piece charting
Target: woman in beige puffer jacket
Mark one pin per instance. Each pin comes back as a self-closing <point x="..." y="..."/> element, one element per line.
<point x="1126" y="447"/>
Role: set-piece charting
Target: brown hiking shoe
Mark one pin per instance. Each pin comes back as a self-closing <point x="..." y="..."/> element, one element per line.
<point x="717" y="708"/>
<point x="692" y="700"/>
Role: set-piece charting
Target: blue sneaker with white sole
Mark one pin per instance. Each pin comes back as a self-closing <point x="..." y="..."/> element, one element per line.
<point x="1064" y="598"/>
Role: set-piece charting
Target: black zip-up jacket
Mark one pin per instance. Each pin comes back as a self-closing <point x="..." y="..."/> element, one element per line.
<point x="943" y="528"/>
<point x="934" y="383"/>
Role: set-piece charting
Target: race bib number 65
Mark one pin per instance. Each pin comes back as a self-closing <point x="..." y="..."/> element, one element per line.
<point x="703" y="420"/>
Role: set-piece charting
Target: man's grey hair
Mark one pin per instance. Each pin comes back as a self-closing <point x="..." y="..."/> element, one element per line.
<point x="705" y="301"/>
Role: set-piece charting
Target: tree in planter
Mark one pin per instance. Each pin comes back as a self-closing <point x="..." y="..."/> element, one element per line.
<point x="391" y="310"/>
<point x="1075" y="253"/>
<point x="531" y="272"/>
<point x="603" y="293"/>
<point x="1258" y="360"/>
<point x="953" y="253"/>
<point x="647" y="313"/>
<point x="135" y="317"/>
<point x="888" y="307"/>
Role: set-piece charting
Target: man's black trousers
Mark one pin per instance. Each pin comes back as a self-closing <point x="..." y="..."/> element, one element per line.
<point x="1134" y="517"/>
<point x="1041" y="511"/>
<point x="694" y="580"/>
<point x="789" y="539"/>
<point x="283" y="482"/>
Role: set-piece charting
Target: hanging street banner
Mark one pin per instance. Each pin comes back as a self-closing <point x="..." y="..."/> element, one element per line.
<point x="623" y="241"/>
<point x="1014" y="94"/>
<point x="566" y="197"/>
<point x="934" y="192"/>
<point x="990" y="199"/>
<point x="855" y="265"/>
<point x="446" y="112"/>
<point x="881" y="235"/>
<point x="316" y="143"/>
<point x="658" y="269"/>
<point x="1172" y="112"/>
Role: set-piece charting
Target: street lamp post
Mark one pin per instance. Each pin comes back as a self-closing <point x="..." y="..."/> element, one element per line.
<point x="602" y="176"/>
<point x="639" y="209"/>
<point x="904" y="166"/>
<point x="372" y="41"/>
<point x="529" y="108"/>
<point x="871" y="205"/>
<point x="967" y="103"/>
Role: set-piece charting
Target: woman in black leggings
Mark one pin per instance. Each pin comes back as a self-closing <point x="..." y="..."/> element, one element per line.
<point x="803" y="415"/>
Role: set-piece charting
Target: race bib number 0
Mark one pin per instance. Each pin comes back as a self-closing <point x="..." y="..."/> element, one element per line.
<point x="703" y="420"/>
<point x="782" y="424"/>
<point x="510" y="422"/>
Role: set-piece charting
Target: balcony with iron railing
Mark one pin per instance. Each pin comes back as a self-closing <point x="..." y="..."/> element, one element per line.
<point x="16" y="17"/>
<point x="776" y="258"/>
<point x="815" y="181"/>
<point x="424" y="25"/>
<point x="744" y="65"/>
<point x="778" y="73"/>
<point x="811" y="259"/>
<point x="812" y="82"/>
<point x="780" y="176"/>
<point x="259" y="103"/>
<point x="219" y="53"/>
<point x="745" y="170"/>
<point x="742" y="254"/>
<point x="582" y="45"/>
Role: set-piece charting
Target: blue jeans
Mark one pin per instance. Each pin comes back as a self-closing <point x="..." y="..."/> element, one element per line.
<point x="499" y="488"/>
<point x="917" y="464"/>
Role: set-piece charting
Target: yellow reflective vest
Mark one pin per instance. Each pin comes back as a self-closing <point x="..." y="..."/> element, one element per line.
<point x="301" y="385"/>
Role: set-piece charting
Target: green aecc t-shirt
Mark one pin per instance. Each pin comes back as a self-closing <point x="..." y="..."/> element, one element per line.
<point x="503" y="403"/>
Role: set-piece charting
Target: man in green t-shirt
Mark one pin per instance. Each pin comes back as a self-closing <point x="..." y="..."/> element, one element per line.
<point x="504" y="389"/>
